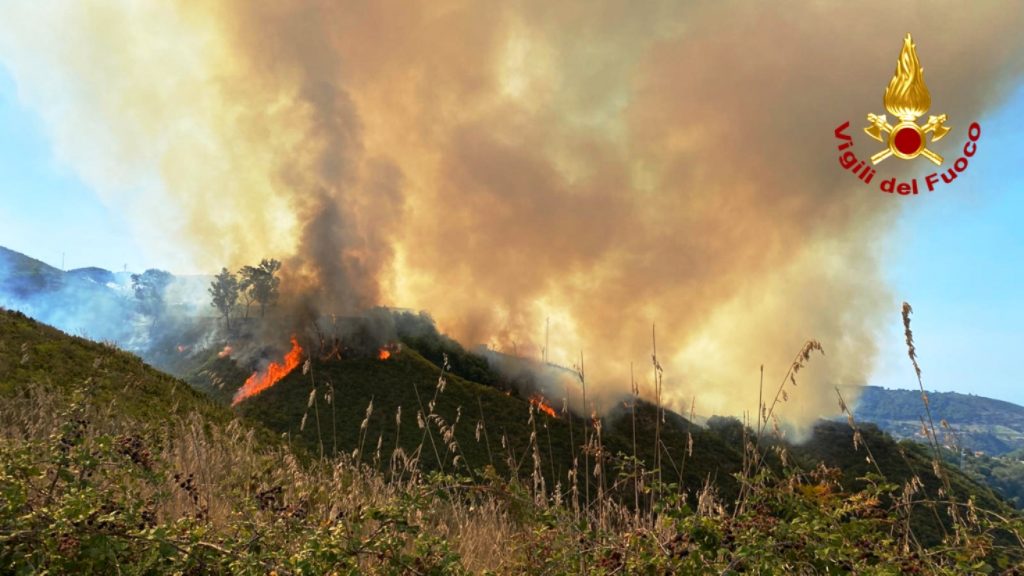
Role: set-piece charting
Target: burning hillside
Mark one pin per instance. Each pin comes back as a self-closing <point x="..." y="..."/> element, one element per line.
<point x="273" y="373"/>
<point x="541" y="404"/>
<point x="476" y="165"/>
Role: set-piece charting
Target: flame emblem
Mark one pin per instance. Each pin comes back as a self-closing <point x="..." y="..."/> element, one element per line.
<point x="907" y="98"/>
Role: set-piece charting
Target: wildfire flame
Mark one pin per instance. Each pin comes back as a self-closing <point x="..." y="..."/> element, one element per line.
<point x="383" y="354"/>
<point x="225" y="352"/>
<point x="182" y="348"/>
<point x="542" y="405"/>
<point x="259" y="382"/>
<point x="907" y="96"/>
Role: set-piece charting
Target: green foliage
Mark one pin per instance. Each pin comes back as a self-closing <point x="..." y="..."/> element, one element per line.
<point x="32" y="353"/>
<point x="1004" y="473"/>
<point x="149" y="288"/>
<point x="260" y="284"/>
<point x="224" y="294"/>
<point x="419" y="332"/>
<point x="973" y="422"/>
<point x="107" y="466"/>
<point x="489" y="427"/>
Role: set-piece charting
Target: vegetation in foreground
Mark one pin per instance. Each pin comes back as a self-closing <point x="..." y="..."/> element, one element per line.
<point x="98" y="477"/>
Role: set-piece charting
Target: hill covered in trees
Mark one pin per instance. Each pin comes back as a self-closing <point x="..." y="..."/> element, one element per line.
<point x="976" y="423"/>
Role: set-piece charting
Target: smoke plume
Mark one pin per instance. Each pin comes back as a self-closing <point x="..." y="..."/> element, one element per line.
<point x="601" y="166"/>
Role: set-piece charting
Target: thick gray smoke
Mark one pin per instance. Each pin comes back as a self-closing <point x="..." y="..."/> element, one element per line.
<point x="602" y="165"/>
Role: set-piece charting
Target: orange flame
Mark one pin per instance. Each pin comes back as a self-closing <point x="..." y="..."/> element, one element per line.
<point x="225" y="352"/>
<point x="383" y="354"/>
<point x="538" y="401"/>
<point x="259" y="382"/>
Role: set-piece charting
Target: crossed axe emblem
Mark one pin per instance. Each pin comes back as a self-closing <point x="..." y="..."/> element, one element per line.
<point x="906" y="139"/>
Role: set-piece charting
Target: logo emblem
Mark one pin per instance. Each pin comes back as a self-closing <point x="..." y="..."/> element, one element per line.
<point x="907" y="99"/>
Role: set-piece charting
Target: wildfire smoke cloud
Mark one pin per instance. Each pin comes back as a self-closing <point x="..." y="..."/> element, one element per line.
<point x="605" y="165"/>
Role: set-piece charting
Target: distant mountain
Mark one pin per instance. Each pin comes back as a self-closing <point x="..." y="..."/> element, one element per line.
<point x="100" y="276"/>
<point x="23" y="277"/>
<point x="90" y="302"/>
<point x="976" y="423"/>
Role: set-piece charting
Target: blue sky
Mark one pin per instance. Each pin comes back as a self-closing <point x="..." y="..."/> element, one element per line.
<point x="956" y="255"/>
<point x="46" y="211"/>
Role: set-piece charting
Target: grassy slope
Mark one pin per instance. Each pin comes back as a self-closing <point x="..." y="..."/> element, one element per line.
<point x="716" y="453"/>
<point x="832" y="443"/>
<point x="33" y="353"/>
<point x="394" y="383"/>
<point x="23" y="275"/>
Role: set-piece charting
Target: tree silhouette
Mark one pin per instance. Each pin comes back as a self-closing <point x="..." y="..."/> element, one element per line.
<point x="224" y="294"/>
<point x="149" y="288"/>
<point x="260" y="284"/>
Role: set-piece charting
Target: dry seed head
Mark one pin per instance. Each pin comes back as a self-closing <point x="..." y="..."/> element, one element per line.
<point x="312" y="398"/>
<point x="911" y="350"/>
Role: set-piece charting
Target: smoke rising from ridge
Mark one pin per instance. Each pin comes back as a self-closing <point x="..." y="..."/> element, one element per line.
<point x="604" y="165"/>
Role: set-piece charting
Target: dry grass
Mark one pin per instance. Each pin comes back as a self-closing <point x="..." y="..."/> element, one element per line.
<point x="228" y="502"/>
